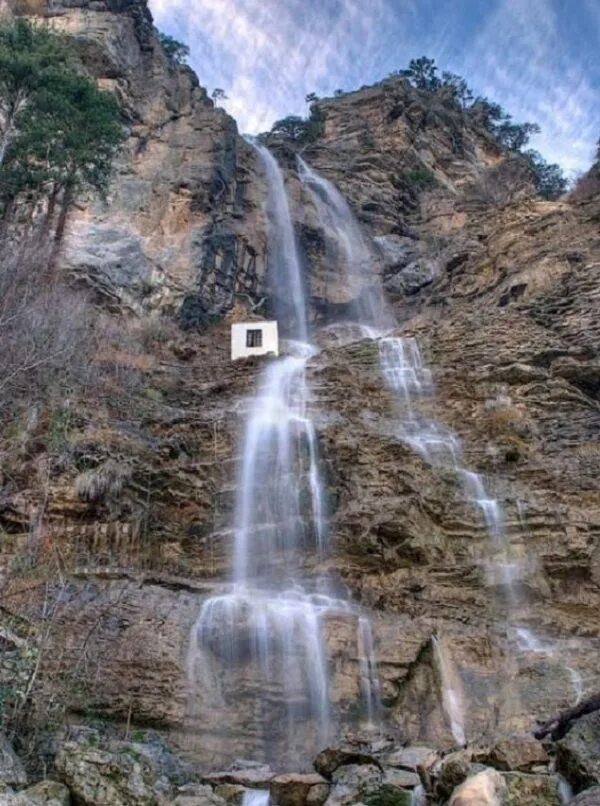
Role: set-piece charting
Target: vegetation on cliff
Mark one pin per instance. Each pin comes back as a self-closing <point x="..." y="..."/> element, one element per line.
<point x="60" y="132"/>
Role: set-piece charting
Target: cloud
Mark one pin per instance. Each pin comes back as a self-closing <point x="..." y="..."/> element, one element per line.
<point x="535" y="57"/>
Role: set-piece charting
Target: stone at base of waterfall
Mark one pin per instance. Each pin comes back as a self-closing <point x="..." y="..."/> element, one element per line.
<point x="490" y="787"/>
<point x="197" y="795"/>
<point x="254" y="777"/>
<point x="12" y="771"/>
<point x="413" y="758"/>
<point x="521" y="753"/>
<point x="578" y="753"/>
<point x="525" y="789"/>
<point x="331" y="758"/>
<point x="487" y="788"/>
<point x="589" y="797"/>
<point x="46" y="793"/>
<point x="365" y="783"/>
<point x="295" y="789"/>
<point x="450" y="773"/>
<point x="105" y="772"/>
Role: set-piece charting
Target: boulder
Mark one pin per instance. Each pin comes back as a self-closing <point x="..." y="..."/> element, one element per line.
<point x="45" y="793"/>
<point x="452" y="771"/>
<point x="293" y="789"/>
<point x="328" y="760"/>
<point x="12" y="771"/>
<point x="352" y="783"/>
<point x="114" y="775"/>
<point x="487" y="788"/>
<point x="578" y="753"/>
<point x="589" y="797"/>
<point x="197" y="795"/>
<point x="518" y="753"/>
<point x="532" y="790"/>
<point x="413" y="758"/>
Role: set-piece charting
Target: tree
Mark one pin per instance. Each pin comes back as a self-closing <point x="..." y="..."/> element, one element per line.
<point x="337" y="93"/>
<point x="66" y="134"/>
<point x="218" y="95"/>
<point x="458" y="89"/>
<point x="515" y="136"/>
<point x="29" y="56"/>
<point x="422" y="74"/>
<point x="176" y="51"/>
<point x="549" y="180"/>
<point x="311" y="98"/>
<point x="292" y="127"/>
<point x="301" y="130"/>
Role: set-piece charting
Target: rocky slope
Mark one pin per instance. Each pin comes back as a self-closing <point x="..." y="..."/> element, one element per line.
<point x="124" y="514"/>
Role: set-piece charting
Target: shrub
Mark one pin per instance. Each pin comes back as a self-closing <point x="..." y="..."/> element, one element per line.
<point x="420" y="178"/>
<point x="176" y="51"/>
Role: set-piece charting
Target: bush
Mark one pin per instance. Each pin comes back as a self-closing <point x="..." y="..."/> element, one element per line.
<point x="176" y="51"/>
<point x="301" y="130"/>
<point x="420" y="178"/>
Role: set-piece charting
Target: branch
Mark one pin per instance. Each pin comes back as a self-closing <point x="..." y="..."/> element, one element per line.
<point x="558" y="725"/>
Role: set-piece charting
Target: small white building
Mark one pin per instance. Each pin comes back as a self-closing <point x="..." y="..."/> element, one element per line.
<point x="254" y="338"/>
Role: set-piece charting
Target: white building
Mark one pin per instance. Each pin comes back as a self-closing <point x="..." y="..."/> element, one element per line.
<point x="254" y="338"/>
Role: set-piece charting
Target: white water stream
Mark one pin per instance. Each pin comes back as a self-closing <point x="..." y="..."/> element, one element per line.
<point x="270" y="623"/>
<point x="406" y="374"/>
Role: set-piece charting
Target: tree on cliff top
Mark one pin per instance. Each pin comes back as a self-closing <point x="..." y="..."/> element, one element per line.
<point x="176" y="51"/>
<point x="422" y="73"/>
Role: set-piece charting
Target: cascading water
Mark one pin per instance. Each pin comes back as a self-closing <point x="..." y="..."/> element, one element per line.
<point x="269" y="626"/>
<point x="349" y="251"/>
<point x="405" y="373"/>
<point x="452" y="700"/>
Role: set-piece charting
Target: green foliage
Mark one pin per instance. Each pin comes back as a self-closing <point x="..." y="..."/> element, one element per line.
<point x="549" y="180"/>
<point x="176" y="51"/>
<point x="218" y="95"/>
<point x="457" y="88"/>
<point x="301" y="130"/>
<point x="388" y="795"/>
<point x="61" y="131"/>
<point x="337" y="93"/>
<point x="422" y="74"/>
<point x="420" y="178"/>
<point x="311" y="98"/>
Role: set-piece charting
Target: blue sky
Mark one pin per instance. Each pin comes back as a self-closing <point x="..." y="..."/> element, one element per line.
<point x="539" y="58"/>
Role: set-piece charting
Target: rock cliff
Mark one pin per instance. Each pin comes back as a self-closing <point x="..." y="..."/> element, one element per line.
<point x="126" y="520"/>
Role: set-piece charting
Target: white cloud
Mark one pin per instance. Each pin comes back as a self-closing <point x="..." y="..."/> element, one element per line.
<point x="267" y="54"/>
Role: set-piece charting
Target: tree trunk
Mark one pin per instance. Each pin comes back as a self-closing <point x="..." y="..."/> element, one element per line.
<point x="558" y="725"/>
<point x="67" y="201"/>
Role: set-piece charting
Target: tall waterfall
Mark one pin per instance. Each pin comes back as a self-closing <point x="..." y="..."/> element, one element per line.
<point x="265" y="634"/>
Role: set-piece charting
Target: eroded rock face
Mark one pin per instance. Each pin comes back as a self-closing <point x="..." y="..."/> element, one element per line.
<point x="578" y="755"/>
<point x="182" y="228"/>
<point x="12" y="772"/>
<point x="501" y="290"/>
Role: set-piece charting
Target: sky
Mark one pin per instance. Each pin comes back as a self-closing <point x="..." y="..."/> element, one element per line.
<point x="540" y="59"/>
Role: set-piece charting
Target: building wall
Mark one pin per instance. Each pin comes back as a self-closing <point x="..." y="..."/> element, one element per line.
<point x="238" y="339"/>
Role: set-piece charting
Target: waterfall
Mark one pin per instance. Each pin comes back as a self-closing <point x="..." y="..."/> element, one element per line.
<point x="284" y="267"/>
<point x="452" y="700"/>
<point x="349" y="251"/>
<point x="256" y="797"/>
<point x="406" y="375"/>
<point x="268" y="628"/>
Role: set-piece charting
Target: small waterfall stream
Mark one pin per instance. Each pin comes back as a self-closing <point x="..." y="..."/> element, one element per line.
<point x="268" y="627"/>
<point x="406" y="375"/>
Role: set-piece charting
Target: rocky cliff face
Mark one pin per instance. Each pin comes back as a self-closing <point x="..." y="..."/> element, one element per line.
<point x="132" y="519"/>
